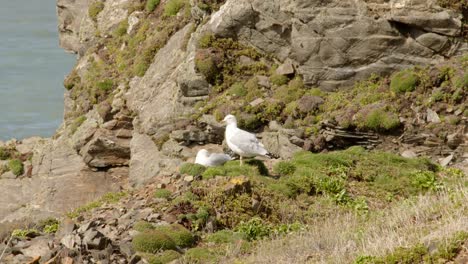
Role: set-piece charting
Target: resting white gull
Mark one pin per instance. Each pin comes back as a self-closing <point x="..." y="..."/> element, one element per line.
<point x="210" y="160"/>
<point x="243" y="143"/>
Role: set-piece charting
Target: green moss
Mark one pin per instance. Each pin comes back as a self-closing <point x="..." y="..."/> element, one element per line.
<point x="77" y="123"/>
<point x="237" y="90"/>
<point x="378" y="120"/>
<point x="151" y="5"/>
<point x="278" y="79"/>
<point x="173" y="7"/>
<point x="105" y="85"/>
<point x="404" y="81"/>
<point x="94" y="10"/>
<point x="224" y="237"/>
<point x="121" y="30"/>
<point x="16" y="166"/>
<point x="4" y="153"/>
<point x="179" y="234"/>
<point x="207" y="67"/>
<point x="284" y="168"/>
<point x="206" y="41"/>
<point x="200" y="255"/>
<point x="152" y="241"/>
<point x="292" y="92"/>
<point x="72" y="80"/>
<point x="164" y="257"/>
<point x="162" y="193"/>
<point x="192" y="169"/>
<point x="231" y="169"/>
<point x="143" y="226"/>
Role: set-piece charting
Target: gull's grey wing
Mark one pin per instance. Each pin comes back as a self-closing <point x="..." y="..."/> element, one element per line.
<point x="219" y="159"/>
<point x="248" y="142"/>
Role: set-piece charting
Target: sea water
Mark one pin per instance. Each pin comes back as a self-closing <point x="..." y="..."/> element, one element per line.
<point x="32" y="69"/>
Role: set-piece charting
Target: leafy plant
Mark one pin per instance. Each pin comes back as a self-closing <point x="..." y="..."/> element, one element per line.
<point x="151" y="5"/>
<point x="254" y="229"/>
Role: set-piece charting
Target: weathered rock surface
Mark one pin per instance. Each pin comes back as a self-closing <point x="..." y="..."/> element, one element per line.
<point x="339" y="42"/>
<point x="59" y="182"/>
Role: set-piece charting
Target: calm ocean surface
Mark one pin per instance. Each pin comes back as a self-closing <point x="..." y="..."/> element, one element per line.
<point x="32" y="69"/>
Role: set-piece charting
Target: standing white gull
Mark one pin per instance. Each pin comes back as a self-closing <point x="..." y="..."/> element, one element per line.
<point x="210" y="160"/>
<point x="243" y="143"/>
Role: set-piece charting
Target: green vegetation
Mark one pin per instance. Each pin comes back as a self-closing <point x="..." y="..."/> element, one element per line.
<point x="94" y="9"/>
<point x="77" y="123"/>
<point x="404" y="81"/>
<point x="224" y="237"/>
<point x="164" y="257"/>
<point x="49" y="225"/>
<point x="232" y="169"/>
<point x="152" y="241"/>
<point x="173" y="7"/>
<point x="200" y="255"/>
<point x="4" y="153"/>
<point x="278" y="79"/>
<point x="109" y="198"/>
<point x="179" y="234"/>
<point x="162" y="193"/>
<point x="16" y="166"/>
<point x="254" y="229"/>
<point x="284" y="168"/>
<point x="23" y="233"/>
<point x="446" y="251"/>
<point x="142" y="226"/>
<point x="192" y="169"/>
<point x="378" y="119"/>
<point x="151" y="5"/>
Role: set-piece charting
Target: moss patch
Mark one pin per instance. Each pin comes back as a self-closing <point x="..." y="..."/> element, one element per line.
<point x="192" y="169"/>
<point x="16" y="166"/>
<point x="152" y="241"/>
<point x="404" y="81"/>
<point x="94" y="9"/>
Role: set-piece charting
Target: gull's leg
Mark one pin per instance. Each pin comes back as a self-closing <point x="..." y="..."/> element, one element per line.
<point x="241" y="160"/>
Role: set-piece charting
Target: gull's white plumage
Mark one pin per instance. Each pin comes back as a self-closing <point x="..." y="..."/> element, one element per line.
<point x="210" y="160"/>
<point x="243" y="143"/>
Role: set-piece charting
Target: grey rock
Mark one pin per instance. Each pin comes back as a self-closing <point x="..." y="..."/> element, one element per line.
<point x="256" y="102"/>
<point x="409" y="154"/>
<point x="66" y="227"/>
<point x="279" y="144"/>
<point x="106" y="149"/>
<point x="263" y="81"/>
<point x="127" y="249"/>
<point x="286" y="68"/>
<point x="189" y="178"/>
<point x="297" y="141"/>
<point x="432" y="116"/>
<point x="133" y="21"/>
<point x="8" y="175"/>
<point x="454" y="140"/>
<point x="68" y="241"/>
<point x="327" y="43"/>
<point x="39" y="247"/>
<point x="433" y="41"/>
<point x="446" y="161"/>
<point x="94" y="239"/>
<point x="147" y="161"/>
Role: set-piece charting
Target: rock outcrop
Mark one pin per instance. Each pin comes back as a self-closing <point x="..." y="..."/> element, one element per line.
<point x="128" y="126"/>
<point x="335" y="43"/>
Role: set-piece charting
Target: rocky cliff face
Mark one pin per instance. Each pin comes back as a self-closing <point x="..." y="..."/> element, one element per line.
<point x="130" y="98"/>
